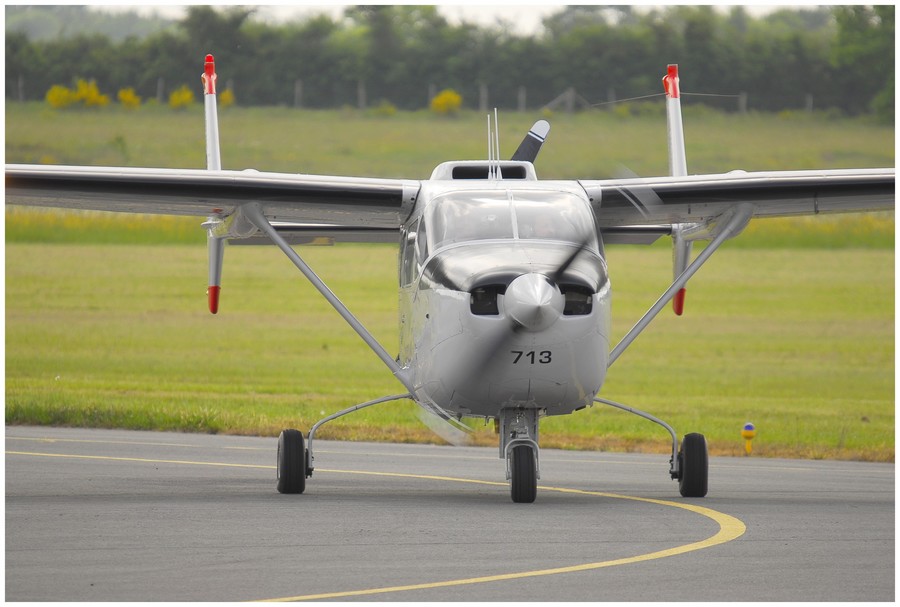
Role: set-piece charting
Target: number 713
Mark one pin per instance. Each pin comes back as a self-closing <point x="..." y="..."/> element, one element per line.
<point x="542" y="358"/>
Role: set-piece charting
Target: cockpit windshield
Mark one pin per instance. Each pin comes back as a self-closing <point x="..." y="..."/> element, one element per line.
<point x="456" y="218"/>
<point x="549" y="215"/>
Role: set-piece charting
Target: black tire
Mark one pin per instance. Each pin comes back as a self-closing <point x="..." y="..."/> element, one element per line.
<point x="523" y="475"/>
<point x="693" y="480"/>
<point x="291" y="462"/>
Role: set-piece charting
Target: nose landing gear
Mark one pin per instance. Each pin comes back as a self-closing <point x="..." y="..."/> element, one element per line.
<point x="518" y="445"/>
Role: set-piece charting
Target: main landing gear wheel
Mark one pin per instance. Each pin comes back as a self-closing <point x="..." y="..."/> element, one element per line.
<point x="291" y="462"/>
<point x="694" y="466"/>
<point x="523" y="475"/>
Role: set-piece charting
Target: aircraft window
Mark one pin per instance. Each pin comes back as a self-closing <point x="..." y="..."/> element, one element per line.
<point x="465" y="219"/>
<point x="422" y="243"/>
<point x="553" y="216"/>
<point x="546" y="215"/>
<point x="408" y="256"/>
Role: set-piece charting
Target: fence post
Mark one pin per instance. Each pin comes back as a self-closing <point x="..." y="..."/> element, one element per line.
<point x="521" y="98"/>
<point x="570" y="100"/>
<point x="361" y="94"/>
<point x="298" y="93"/>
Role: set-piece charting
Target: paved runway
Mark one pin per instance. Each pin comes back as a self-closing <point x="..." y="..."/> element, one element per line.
<point x="96" y="515"/>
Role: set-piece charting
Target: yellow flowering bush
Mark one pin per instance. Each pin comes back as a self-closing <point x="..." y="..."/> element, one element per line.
<point x="129" y="99"/>
<point x="59" y="97"/>
<point x="226" y="98"/>
<point x="88" y="94"/>
<point x="181" y="98"/>
<point x="446" y="103"/>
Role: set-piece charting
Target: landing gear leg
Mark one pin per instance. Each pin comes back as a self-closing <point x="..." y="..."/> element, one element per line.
<point x="295" y="462"/>
<point x="688" y="465"/>
<point x="518" y="445"/>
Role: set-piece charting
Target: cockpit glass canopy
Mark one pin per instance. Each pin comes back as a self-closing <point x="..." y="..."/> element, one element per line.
<point x="549" y="215"/>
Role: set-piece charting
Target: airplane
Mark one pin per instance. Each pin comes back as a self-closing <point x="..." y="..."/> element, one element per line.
<point x="505" y="297"/>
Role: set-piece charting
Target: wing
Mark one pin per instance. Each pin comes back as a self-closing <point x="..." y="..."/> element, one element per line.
<point x="365" y="209"/>
<point x="703" y="198"/>
<point x="345" y="205"/>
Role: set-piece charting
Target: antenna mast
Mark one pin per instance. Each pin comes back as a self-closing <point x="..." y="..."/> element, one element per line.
<point x="494" y="171"/>
<point x="499" y="174"/>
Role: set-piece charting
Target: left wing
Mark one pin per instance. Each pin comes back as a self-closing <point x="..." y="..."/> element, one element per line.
<point x="703" y="198"/>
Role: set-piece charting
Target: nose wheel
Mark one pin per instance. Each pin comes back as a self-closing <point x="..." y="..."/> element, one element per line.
<point x="523" y="474"/>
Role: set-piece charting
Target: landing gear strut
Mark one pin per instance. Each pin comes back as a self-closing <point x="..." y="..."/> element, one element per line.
<point x="689" y="465"/>
<point x="295" y="462"/>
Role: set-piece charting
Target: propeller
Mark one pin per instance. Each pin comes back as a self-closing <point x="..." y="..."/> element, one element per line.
<point x="533" y="302"/>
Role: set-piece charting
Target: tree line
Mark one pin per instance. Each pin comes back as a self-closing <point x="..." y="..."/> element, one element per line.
<point x="839" y="57"/>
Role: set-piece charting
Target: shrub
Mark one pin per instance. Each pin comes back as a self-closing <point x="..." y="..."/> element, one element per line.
<point x="385" y="109"/>
<point x="181" y="98"/>
<point x="446" y="103"/>
<point x="59" y="97"/>
<point x="226" y="98"/>
<point x="85" y="93"/>
<point x="88" y="94"/>
<point x="129" y="99"/>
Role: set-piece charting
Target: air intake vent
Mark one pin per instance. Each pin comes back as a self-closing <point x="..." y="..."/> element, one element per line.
<point x="481" y="172"/>
<point x="478" y="169"/>
<point x="579" y="301"/>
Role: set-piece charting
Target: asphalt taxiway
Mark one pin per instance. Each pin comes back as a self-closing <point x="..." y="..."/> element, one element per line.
<point x="107" y="515"/>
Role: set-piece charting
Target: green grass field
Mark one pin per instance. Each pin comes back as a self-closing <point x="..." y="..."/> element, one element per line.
<point x="790" y="326"/>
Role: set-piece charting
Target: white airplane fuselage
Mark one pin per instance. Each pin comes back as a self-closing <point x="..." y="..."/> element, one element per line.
<point x="488" y="318"/>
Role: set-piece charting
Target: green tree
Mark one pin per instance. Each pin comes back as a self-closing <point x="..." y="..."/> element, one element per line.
<point x="842" y="56"/>
<point x="864" y="57"/>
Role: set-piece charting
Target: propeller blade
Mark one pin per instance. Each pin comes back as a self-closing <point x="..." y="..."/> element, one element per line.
<point x="531" y="145"/>
<point x="642" y="197"/>
<point x="561" y="270"/>
<point x="455" y="433"/>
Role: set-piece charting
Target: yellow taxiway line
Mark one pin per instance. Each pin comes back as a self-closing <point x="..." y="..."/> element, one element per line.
<point x="730" y="528"/>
